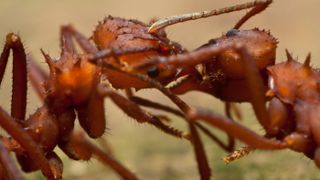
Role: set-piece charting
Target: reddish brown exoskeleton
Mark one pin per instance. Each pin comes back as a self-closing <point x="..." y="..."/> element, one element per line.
<point x="33" y="139"/>
<point x="75" y="87"/>
<point x="294" y="106"/>
<point x="293" y="109"/>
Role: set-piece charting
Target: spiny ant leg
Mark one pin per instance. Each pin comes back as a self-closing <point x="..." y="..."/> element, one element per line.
<point x="151" y="104"/>
<point x="256" y="88"/>
<point x="256" y="10"/>
<point x="236" y="130"/>
<point x="162" y="23"/>
<point x="19" y="77"/>
<point x="84" y="42"/>
<point x="133" y="110"/>
<point x="147" y="103"/>
<point x="199" y="151"/>
<point x="8" y="164"/>
<point x="18" y="106"/>
<point x="82" y="145"/>
<point x="229" y="147"/>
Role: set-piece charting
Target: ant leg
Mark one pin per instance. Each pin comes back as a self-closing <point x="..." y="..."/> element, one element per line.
<point x="147" y="103"/>
<point x="216" y="120"/>
<point x="133" y="110"/>
<point x="201" y="157"/>
<point x="91" y="115"/>
<point x="84" y="42"/>
<point x="4" y="60"/>
<point x="8" y="164"/>
<point x="151" y="104"/>
<point x="237" y="130"/>
<point x="162" y="23"/>
<point x="187" y="59"/>
<point x="86" y="149"/>
<point x="106" y="146"/>
<point x="256" y="10"/>
<point x="56" y="164"/>
<point x="256" y="88"/>
<point x="229" y="106"/>
<point x="231" y="141"/>
<point x="18" y="106"/>
<point x="19" y="77"/>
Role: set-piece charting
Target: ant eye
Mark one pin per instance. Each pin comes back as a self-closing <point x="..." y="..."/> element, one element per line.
<point x="153" y="72"/>
<point x="232" y="32"/>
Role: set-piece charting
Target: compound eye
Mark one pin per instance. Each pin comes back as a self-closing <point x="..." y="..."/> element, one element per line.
<point x="232" y="32"/>
<point x="153" y="72"/>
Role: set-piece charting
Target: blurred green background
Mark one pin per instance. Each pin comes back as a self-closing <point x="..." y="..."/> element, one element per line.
<point x="145" y="150"/>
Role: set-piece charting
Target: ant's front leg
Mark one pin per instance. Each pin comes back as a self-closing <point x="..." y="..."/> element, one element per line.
<point x="150" y="104"/>
<point x="133" y="110"/>
<point x="18" y="105"/>
<point x="19" y="77"/>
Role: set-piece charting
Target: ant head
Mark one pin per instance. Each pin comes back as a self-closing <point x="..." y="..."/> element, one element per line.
<point x="121" y="34"/>
<point x="291" y="80"/>
<point x="71" y="77"/>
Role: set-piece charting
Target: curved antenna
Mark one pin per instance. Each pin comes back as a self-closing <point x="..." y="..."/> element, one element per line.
<point x="162" y="23"/>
